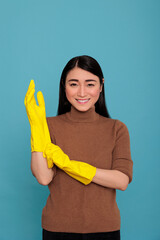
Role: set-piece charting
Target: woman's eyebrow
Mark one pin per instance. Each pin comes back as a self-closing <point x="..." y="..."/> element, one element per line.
<point x="87" y="80"/>
<point x="75" y="80"/>
<point x="90" y="80"/>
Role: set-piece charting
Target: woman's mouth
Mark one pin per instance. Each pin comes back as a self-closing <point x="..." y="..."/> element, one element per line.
<point x="82" y="101"/>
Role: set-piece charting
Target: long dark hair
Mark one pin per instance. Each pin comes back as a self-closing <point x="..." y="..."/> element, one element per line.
<point x="91" y="65"/>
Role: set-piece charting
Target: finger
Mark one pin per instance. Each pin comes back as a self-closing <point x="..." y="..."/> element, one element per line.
<point x="28" y="95"/>
<point x="30" y="98"/>
<point x="30" y="88"/>
<point x="32" y="83"/>
<point x="40" y="99"/>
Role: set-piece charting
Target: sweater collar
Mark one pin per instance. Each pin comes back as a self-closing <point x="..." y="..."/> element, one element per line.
<point x="78" y="116"/>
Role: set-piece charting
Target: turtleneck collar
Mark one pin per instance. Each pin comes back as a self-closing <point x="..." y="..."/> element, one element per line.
<point x="78" y="116"/>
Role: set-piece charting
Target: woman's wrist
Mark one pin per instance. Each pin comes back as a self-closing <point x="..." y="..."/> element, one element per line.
<point x="111" y="178"/>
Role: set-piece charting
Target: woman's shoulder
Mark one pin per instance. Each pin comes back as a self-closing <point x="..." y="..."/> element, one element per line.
<point x="116" y="123"/>
<point x="55" y="119"/>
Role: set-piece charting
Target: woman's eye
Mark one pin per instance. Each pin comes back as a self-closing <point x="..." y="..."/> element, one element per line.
<point x="90" y="85"/>
<point x="73" y="84"/>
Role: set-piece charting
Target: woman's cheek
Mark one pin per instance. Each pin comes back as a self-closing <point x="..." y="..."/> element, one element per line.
<point x="95" y="93"/>
<point x="69" y="92"/>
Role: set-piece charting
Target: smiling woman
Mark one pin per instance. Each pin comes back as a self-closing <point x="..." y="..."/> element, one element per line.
<point x="83" y="92"/>
<point x="83" y="156"/>
<point x="89" y="69"/>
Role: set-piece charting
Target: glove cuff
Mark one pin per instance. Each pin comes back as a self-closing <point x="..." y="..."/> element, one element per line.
<point x="49" y="160"/>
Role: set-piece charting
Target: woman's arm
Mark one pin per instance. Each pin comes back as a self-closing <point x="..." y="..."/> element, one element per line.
<point x="111" y="178"/>
<point x="40" y="170"/>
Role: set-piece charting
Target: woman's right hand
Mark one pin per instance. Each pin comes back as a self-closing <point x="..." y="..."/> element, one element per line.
<point x="40" y="135"/>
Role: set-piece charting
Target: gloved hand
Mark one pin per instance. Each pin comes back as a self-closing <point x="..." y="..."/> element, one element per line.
<point x="81" y="171"/>
<point x="40" y="136"/>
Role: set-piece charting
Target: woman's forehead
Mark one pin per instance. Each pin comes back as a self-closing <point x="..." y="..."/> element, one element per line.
<point x="80" y="74"/>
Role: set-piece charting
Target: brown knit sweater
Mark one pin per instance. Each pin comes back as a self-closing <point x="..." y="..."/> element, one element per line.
<point x="101" y="142"/>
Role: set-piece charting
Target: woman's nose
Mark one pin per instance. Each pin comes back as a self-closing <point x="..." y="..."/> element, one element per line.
<point x="81" y="91"/>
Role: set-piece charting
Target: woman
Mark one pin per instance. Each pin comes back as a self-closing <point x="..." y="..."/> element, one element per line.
<point x="83" y="158"/>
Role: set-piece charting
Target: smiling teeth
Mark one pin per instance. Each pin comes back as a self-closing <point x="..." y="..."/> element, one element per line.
<point x="82" y="101"/>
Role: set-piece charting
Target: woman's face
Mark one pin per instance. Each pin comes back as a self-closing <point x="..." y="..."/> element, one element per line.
<point x="82" y="89"/>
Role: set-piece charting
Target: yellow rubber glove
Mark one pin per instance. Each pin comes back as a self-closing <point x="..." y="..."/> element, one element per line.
<point x="40" y="136"/>
<point x="81" y="171"/>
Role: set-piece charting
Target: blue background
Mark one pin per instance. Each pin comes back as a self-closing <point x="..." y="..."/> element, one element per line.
<point x="37" y="38"/>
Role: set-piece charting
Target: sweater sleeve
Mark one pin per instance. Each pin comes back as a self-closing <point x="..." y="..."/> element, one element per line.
<point x="52" y="140"/>
<point x="121" y="153"/>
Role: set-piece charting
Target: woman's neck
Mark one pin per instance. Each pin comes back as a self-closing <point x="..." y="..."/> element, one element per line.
<point x="82" y="116"/>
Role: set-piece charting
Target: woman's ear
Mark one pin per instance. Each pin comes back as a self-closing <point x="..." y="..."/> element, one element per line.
<point x="102" y="85"/>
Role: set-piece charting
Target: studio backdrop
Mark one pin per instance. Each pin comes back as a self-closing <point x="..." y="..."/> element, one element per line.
<point x="37" y="38"/>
